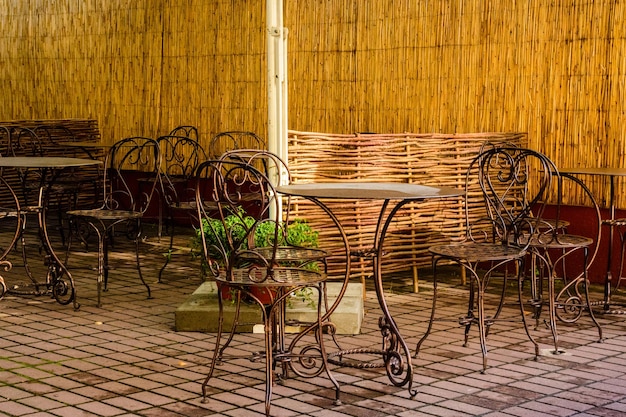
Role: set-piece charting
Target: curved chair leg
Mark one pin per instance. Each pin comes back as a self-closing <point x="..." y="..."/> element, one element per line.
<point x="319" y="334"/>
<point x="520" y="294"/>
<point x="233" y="327"/>
<point x="432" y="311"/>
<point x="138" y="259"/>
<point x="588" y="299"/>
<point x="167" y="258"/>
<point x="552" y="310"/>
<point x="470" y="317"/>
<point x="620" y="276"/>
<point x="482" y="333"/>
<point x="216" y="350"/>
<point x="101" y="279"/>
<point x="505" y="280"/>
<point x="543" y="268"/>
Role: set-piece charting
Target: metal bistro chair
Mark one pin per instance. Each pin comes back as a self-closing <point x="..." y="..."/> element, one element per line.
<point x="242" y="239"/>
<point x="127" y="161"/>
<point x="558" y="255"/>
<point x="180" y="156"/>
<point x="72" y="184"/>
<point x="502" y="176"/>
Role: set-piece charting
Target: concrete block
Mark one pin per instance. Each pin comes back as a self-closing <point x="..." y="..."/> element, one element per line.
<point x="200" y="311"/>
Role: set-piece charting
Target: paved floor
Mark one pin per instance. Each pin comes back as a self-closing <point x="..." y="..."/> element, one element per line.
<point x="126" y="359"/>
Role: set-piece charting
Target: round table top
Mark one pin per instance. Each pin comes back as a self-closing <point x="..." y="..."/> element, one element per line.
<point x="45" y="162"/>
<point x="616" y="172"/>
<point x="368" y="190"/>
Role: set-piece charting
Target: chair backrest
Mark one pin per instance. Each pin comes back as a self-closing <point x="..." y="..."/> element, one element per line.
<point x="234" y="140"/>
<point x="53" y="134"/>
<point x="187" y="131"/>
<point x="131" y="174"/>
<point x="515" y="184"/>
<point x="25" y="142"/>
<point x="241" y="219"/>
<point x="180" y="156"/>
<point x="270" y="164"/>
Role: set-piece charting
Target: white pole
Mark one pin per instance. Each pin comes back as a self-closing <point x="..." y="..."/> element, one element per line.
<point x="276" y="87"/>
<point x="277" y="98"/>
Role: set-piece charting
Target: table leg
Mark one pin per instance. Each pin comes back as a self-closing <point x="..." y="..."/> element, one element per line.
<point x="609" y="276"/>
<point x="63" y="290"/>
<point x="395" y="355"/>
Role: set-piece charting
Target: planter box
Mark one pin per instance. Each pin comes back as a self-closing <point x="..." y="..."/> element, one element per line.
<point x="199" y="312"/>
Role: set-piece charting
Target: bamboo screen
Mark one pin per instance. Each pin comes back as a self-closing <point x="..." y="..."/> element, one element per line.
<point x="433" y="159"/>
<point x="555" y="70"/>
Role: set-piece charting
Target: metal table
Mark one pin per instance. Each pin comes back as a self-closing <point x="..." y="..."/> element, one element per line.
<point x="48" y="169"/>
<point x="612" y="173"/>
<point x="395" y="354"/>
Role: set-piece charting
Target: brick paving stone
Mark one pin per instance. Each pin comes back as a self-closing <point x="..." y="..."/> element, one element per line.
<point x="68" y="398"/>
<point x="100" y="409"/>
<point x="42" y="403"/>
<point x="13" y="408"/>
<point x="127" y="403"/>
<point x="151" y="398"/>
<point x="124" y="359"/>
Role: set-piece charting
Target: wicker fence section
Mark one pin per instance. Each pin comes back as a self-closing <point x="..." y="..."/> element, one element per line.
<point x="52" y="133"/>
<point x="433" y="159"/>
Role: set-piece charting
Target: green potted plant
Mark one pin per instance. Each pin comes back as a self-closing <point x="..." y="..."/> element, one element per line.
<point x="298" y="233"/>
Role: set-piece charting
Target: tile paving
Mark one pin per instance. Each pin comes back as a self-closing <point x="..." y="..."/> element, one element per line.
<point x="126" y="359"/>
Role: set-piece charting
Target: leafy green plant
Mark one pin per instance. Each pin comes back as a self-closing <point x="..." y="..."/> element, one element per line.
<point x="298" y="233"/>
<point x="237" y="225"/>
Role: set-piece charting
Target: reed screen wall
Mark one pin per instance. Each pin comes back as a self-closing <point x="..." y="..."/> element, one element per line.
<point x="555" y="70"/>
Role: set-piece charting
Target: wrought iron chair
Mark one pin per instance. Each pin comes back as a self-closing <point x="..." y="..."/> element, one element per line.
<point x="558" y="255"/>
<point x="513" y="183"/>
<point x="242" y="238"/>
<point x="71" y="183"/>
<point x="128" y="161"/>
<point x="180" y="156"/>
<point x="233" y="140"/>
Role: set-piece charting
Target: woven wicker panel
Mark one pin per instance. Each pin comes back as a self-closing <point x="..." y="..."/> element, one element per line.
<point x="432" y="159"/>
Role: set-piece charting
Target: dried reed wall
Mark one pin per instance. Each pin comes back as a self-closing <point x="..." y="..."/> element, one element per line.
<point x="140" y="67"/>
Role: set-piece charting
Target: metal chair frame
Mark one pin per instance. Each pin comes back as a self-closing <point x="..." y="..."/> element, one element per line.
<point x="180" y="157"/>
<point x="122" y="204"/>
<point x="493" y="243"/>
<point x="235" y="198"/>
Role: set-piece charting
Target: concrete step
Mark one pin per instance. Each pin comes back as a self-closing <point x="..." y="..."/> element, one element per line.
<point x="199" y="313"/>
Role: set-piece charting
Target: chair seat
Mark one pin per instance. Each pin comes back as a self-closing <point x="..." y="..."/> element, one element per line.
<point x="291" y="254"/>
<point x="554" y="224"/>
<point x="474" y="252"/>
<point x="557" y="241"/>
<point x="614" y="222"/>
<point x="105" y="214"/>
<point x="281" y="277"/>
